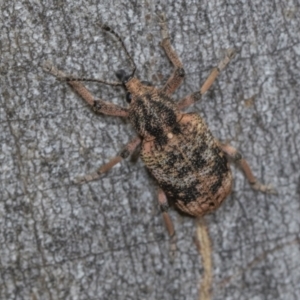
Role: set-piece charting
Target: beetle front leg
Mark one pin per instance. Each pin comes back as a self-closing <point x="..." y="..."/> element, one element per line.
<point x="178" y="74"/>
<point x="217" y="70"/>
<point x="194" y="97"/>
<point x="164" y="206"/>
<point x="98" y="105"/>
<point x="237" y="158"/>
<point x="127" y="150"/>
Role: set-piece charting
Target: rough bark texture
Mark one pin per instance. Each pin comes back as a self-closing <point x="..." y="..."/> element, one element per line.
<point x="106" y="239"/>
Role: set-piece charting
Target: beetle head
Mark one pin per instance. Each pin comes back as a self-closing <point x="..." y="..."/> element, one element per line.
<point x="123" y="76"/>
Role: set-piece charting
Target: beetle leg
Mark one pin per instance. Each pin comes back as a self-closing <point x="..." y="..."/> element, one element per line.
<point x="189" y="100"/>
<point x="164" y="206"/>
<point x="217" y="70"/>
<point x="98" y="105"/>
<point x="192" y="98"/>
<point x="203" y="243"/>
<point x="237" y="158"/>
<point x="178" y="74"/>
<point x="128" y="149"/>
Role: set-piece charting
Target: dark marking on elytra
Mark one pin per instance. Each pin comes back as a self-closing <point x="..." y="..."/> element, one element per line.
<point x="173" y="158"/>
<point x="220" y="165"/>
<point x="182" y="172"/>
<point x="215" y="187"/>
<point x="185" y="194"/>
<point x="219" y="170"/>
<point x="197" y="158"/>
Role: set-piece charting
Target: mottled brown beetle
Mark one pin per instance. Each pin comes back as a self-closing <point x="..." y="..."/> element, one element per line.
<point x="189" y="164"/>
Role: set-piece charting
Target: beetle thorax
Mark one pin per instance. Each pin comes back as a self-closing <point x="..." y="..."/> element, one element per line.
<point x="153" y="113"/>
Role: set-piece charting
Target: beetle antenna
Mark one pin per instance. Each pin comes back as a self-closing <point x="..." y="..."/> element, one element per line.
<point x="113" y="83"/>
<point x="48" y="67"/>
<point x="109" y="29"/>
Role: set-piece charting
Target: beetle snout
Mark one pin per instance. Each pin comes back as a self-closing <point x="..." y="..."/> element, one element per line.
<point x="123" y="76"/>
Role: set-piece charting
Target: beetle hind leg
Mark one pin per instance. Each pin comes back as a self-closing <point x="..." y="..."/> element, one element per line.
<point x="203" y="242"/>
<point x="164" y="206"/>
<point x="236" y="156"/>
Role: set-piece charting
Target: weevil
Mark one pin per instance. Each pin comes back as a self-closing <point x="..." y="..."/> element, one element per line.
<point x="189" y="164"/>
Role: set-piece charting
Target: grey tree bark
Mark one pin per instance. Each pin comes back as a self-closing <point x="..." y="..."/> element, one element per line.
<point x="106" y="239"/>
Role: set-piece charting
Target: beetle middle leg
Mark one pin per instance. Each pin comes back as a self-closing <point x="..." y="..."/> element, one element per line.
<point x="237" y="158"/>
<point x="178" y="74"/>
<point x="194" y="97"/>
<point x="164" y="206"/>
<point x="127" y="150"/>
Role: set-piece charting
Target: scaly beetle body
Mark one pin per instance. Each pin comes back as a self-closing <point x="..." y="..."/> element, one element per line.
<point x="179" y="150"/>
<point x="189" y="164"/>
